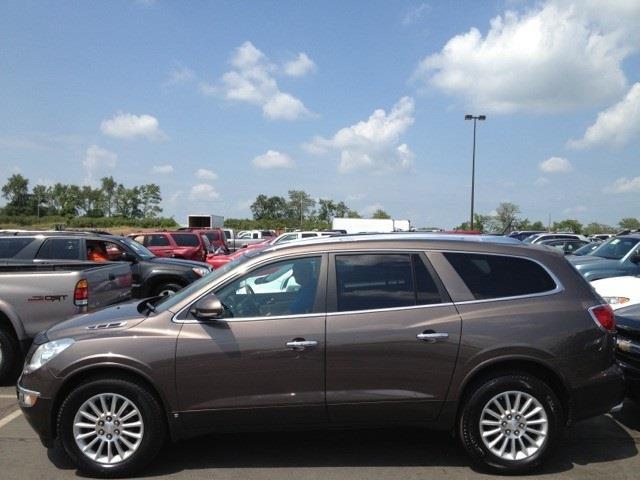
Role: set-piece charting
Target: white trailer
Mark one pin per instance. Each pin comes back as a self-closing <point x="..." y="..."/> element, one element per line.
<point x="370" y="225"/>
<point x="205" y="221"/>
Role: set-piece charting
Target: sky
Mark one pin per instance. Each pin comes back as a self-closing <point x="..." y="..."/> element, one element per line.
<point x="359" y="101"/>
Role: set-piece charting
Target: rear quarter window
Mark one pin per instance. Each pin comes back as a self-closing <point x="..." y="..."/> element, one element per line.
<point x="60" y="249"/>
<point x="186" y="239"/>
<point x="498" y="276"/>
<point x="10" y="247"/>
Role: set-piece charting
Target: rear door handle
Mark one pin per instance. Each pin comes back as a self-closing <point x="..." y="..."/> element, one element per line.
<point x="301" y="344"/>
<point x="432" y="337"/>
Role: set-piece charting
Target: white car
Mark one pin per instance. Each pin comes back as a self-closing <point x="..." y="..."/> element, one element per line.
<point x="619" y="291"/>
<point x="293" y="236"/>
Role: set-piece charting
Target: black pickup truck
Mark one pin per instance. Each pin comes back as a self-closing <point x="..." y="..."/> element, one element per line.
<point x="152" y="275"/>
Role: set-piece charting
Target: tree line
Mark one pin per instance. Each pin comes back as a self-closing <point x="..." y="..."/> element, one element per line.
<point x="110" y="199"/>
<point x="507" y="219"/>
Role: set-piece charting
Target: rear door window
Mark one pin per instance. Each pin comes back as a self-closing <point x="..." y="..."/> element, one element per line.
<point x="376" y="281"/>
<point x="497" y="276"/>
<point x="60" y="249"/>
<point x="10" y="247"/>
<point x="186" y="239"/>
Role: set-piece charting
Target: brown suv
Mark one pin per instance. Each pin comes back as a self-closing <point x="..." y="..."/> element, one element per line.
<point x="502" y="343"/>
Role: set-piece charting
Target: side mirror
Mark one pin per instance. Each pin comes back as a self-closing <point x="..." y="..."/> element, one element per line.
<point x="635" y="258"/>
<point x="208" y="307"/>
<point x="128" y="257"/>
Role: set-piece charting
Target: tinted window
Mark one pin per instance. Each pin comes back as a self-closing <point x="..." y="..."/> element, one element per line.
<point x="615" y="248"/>
<point x="186" y="239"/>
<point x="426" y="290"/>
<point x="366" y="282"/>
<point x="12" y="246"/>
<point x="213" y="236"/>
<point x="494" y="276"/>
<point x="309" y="235"/>
<point x="60" y="249"/>
<point x="157" y="241"/>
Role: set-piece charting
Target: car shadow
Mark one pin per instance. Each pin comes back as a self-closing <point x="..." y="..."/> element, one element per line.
<point x="602" y="439"/>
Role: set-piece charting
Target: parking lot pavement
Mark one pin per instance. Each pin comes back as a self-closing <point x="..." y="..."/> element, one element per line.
<point x="597" y="448"/>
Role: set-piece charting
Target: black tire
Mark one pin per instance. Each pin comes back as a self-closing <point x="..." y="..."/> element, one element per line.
<point x="166" y="287"/>
<point x="469" y="422"/>
<point x="9" y="356"/>
<point x="152" y="417"/>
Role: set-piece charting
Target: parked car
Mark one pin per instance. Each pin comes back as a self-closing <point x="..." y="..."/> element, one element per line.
<point x="619" y="292"/>
<point x="186" y="245"/>
<point x="293" y="237"/>
<point x="248" y="237"/>
<point x="215" y="237"/>
<point x="540" y="237"/>
<point x="628" y="353"/>
<point x="601" y="237"/>
<point x="586" y="249"/>
<point x="616" y="257"/>
<point x="566" y="245"/>
<point x="501" y="343"/>
<point x="152" y="275"/>
<point x="522" y="234"/>
<point x="35" y="296"/>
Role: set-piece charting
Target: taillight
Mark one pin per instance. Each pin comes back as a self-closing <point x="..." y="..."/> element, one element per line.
<point x="604" y="317"/>
<point x="81" y="293"/>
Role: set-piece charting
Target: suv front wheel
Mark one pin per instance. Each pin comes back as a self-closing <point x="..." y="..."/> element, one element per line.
<point x="111" y="427"/>
<point x="510" y="423"/>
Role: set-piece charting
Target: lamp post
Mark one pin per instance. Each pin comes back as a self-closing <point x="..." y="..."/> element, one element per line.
<point x="475" y="118"/>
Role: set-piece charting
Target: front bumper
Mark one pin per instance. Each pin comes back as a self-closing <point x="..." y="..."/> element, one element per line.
<point x="38" y="412"/>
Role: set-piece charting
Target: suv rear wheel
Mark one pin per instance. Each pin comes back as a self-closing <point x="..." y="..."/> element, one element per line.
<point x="111" y="427"/>
<point x="510" y="423"/>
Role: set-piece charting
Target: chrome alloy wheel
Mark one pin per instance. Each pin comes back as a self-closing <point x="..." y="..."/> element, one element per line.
<point x="108" y="428"/>
<point x="514" y="425"/>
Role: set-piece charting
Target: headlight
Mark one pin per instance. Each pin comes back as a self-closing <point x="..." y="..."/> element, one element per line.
<point x="46" y="352"/>
<point x="616" y="300"/>
<point x="201" y="271"/>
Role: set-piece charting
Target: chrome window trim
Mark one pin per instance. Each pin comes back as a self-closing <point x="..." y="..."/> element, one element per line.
<point x="559" y="286"/>
<point x="248" y="319"/>
<point x="394" y="309"/>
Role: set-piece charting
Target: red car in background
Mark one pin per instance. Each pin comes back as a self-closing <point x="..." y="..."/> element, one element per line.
<point x="217" y="261"/>
<point x="180" y="244"/>
<point x="215" y="235"/>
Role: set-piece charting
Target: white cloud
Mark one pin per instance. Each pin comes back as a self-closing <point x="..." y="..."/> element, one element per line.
<point x="205" y="174"/>
<point x="624" y="185"/>
<point x="273" y="159"/>
<point x="97" y="160"/>
<point x="299" y="67"/>
<point x="374" y="144"/>
<point x="162" y="169"/>
<point x="555" y="165"/>
<point x="415" y="13"/>
<point x="203" y="192"/>
<point x="541" y="182"/>
<point x="558" y="56"/>
<point x="180" y="76"/>
<point x="616" y="126"/>
<point x="252" y="81"/>
<point x="128" y="126"/>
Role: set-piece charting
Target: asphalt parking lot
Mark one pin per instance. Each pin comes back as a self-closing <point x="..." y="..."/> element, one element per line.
<point x="602" y="447"/>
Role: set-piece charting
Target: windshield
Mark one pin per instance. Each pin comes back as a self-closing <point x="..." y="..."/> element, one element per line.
<point x="530" y="239"/>
<point x="585" y="249"/>
<point x="141" y="250"/>
<point x="615" y="248"/>
<point x="169" y="301"/>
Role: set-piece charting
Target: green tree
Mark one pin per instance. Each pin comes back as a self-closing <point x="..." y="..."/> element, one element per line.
<point x="108" y="187"/>
<point x="538" y="226"/>
<point x="594" y="228"/>
<point x="269" y="208"/>
<point x="150" y="200"/>
<point x="629" y="223"/>
<point x="300" y="205"/>
<point x="380" y="214"/>
<point x="506" y="216"/>
<point x="568" y="225"/>
<point x="16" y="191"/>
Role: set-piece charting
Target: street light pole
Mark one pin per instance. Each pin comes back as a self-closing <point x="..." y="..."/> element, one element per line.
<point x="475" y="118"/>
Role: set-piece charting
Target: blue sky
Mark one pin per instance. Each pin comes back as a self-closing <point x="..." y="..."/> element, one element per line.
<point x="364" y="102"/>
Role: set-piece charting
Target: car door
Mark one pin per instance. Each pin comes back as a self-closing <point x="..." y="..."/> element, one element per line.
<point x="159" y="244"/>
<point x="263" y="361"/>
<point x="392" y="338"/>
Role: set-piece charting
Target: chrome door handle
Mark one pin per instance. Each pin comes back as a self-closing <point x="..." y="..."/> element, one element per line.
<point x="432" y="337"/>
<point x="301" y="344"/>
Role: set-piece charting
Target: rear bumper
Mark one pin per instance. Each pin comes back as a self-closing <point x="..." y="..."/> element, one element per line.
<point x="599" y="396"/>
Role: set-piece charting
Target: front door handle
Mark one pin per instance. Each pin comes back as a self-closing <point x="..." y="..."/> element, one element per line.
<point x="301" y="344"/>
<point x="432" y="337"/>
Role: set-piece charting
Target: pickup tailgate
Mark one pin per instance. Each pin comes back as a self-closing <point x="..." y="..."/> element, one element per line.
<point x="108" y="284"/>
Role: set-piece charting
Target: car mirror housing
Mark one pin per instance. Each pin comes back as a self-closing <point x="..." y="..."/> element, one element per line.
<point x="208" y="307"/>
<point x="128" y="257"/>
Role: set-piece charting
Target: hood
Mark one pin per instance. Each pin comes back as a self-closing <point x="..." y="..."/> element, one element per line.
<point x="578" y="261"/>
<point x="121" y="316"/>
<point x="628" y="318"/>
<point x="178" y="262"/>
